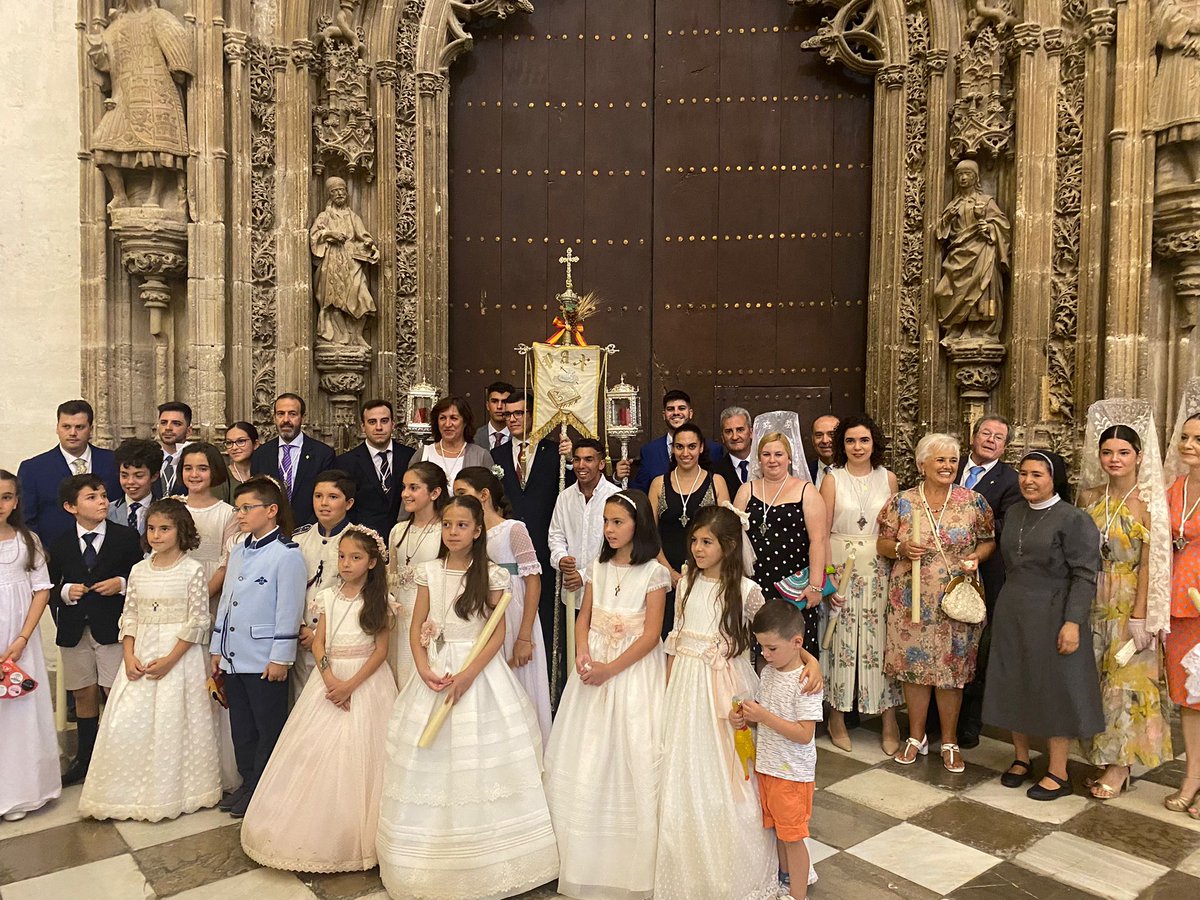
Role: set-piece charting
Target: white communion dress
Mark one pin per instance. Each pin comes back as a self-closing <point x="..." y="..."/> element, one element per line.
<point x="466" y="818"/>
<point x="156" y="753"/>
<point x="602" y="763"/>
<point x="711" y="843"/>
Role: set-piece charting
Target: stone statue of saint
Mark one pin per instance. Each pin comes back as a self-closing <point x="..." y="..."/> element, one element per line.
<point x="148" y="55"/>
<point x="970" y="293"/>
<point x="343" y="247"/>
<point x="1175" y="98"/>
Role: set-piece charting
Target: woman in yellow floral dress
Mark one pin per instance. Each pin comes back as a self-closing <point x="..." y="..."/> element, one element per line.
<point x="1136" y="729"/>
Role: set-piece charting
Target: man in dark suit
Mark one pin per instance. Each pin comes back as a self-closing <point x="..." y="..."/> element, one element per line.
<point x="377" y="466"/>
<point x="736" y="438"/>
<point x="174" y="423"/>
<point x="823" y="430"/>
<point x="494" y="432"/>
<point x="41" y="475"/>
<point x="89" y="565"/>
<point x="983" y="471"/>
<point x="531" y="486"/>
<point x="655" y="458"/>
<point x="293" y="458"/>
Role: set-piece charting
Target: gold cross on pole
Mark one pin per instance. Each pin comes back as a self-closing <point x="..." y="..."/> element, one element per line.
<point x="567" y="261"/>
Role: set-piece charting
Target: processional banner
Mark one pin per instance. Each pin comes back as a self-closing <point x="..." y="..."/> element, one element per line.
<point x="566" y="389"/>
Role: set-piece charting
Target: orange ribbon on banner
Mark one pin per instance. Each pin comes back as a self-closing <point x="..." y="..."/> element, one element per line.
<point x="557" y="337"/>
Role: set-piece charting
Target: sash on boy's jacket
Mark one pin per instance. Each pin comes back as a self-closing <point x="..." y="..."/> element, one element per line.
<point x="262" y="602"/>
<point x="120" y="549"/>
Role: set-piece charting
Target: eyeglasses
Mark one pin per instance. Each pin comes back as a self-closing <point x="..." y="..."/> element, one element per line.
<point x="514" y="414"/>
<point x="246" y="507"/>
<point x="239" y="442"/>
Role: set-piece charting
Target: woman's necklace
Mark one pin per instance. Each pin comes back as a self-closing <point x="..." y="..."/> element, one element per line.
<point x="1180" y="542"/>
<point x="1110" y="516"/>
<point x="862" y="484"/>
<point x="937" y="525"/>
<point x="687" y="498"/>
<point x="440" y="446"/>
<point x="767" y="507"/>
<point x="407" y="574"/>
<point x="238" y="474"/>
<point x="1021" y="531"/>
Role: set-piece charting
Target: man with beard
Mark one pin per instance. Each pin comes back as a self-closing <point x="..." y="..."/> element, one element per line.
<point x="293" y="458"/>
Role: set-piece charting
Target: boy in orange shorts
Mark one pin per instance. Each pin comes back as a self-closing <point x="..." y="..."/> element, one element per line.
<point x="785" y="755"/>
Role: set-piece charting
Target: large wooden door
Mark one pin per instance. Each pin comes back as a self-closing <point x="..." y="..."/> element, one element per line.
<point x="713" y="177"/>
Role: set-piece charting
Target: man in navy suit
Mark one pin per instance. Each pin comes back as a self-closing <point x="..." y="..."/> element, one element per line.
<point x="377" y="466"/>
<point x="655" y="458"/>
<point x="293" y="458"/>
<point x="533" y="493"/>
<point x="984" y="472"/>
<point x="41" y="475"/>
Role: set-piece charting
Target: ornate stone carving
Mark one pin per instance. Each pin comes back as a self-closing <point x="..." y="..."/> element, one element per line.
<point x="1175" y="119"/>
<point x="976" y="233"/>
<point x="405" y="308"/>
<point x="1101" y="26"/>
<point x="147" y="54"/>
<point x="343" y="371"/>
<point x="850" y="37"/>
<point x="1068" y="205"/>
<point x="343" y="248"/>
<point x="916" y="130"/>
<point x="153" y="245"/>
<point x="264" y="63"/>
<point x="1027" y="36"/>
<point x="343" y="125"/>
<point x="981" y="123"/>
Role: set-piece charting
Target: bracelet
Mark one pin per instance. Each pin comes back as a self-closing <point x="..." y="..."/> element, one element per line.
<point x="521" y="640"/>
<point x="22" y="637"/>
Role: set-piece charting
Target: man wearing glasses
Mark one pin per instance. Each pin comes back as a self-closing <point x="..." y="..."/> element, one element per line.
<point x="531" y="486"/>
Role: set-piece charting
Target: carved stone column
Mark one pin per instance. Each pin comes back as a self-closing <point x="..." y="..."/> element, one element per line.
<point x="433" y="226"/>
<point x="239" y="354"/>
<point x="386" y="75"/>
<point x="154" y="248"/>
<point x="1033" y="232"/>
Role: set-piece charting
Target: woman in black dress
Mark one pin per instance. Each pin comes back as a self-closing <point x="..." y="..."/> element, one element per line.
<point x="677" y="498"/>
<point x="789" y="529"/>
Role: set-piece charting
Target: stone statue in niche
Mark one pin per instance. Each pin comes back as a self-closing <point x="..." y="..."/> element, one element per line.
<point x="343" y="248"/>
<point x="970" y="293"/>
<point x="147" y="53"/>
<point x="1175" y="99"/>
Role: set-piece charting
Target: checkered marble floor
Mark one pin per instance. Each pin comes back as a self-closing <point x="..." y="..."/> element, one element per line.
<point x="879" y="830"/>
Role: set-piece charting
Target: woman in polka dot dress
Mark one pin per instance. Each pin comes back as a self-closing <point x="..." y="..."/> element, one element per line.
<point x="789" y="529"/>
<point x="1183" y="498"/>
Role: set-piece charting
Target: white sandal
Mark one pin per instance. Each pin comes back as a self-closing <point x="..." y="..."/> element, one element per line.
<point x="951" y="766"/>
<point x="921" y="746"/>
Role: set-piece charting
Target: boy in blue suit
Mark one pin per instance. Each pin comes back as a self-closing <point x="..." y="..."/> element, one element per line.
<point x="256" y="628"/>
<point x="41" y="475"/>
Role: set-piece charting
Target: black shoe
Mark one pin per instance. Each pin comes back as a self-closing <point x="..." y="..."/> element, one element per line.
<point x="1064" y="789"/>
<point x="75" y="773"/>
<point x="1016" y="779"/>
<point x="238" y="810"/>
<point x="968" y="737"/>
<point x="230" y="798"/>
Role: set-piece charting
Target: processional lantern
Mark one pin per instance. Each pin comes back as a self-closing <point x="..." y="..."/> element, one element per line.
<point x="421" y="399"/>
<point x="623" y="413"/>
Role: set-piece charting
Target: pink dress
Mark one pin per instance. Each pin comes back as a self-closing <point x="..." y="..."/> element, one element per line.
<point x="316" y="808"/>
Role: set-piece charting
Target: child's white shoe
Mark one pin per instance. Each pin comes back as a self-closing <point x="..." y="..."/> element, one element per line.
<point x="812" y="875"/>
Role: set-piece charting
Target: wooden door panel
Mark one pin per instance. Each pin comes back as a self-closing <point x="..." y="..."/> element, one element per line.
<point x="713" y="177"/>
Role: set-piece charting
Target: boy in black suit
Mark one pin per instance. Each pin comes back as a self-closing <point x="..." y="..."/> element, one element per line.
<point x="377" y="467"/>
<point x="89" y="566"/>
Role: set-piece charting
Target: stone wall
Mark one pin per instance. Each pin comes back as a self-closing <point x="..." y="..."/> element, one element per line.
<point x="39" y="231"/>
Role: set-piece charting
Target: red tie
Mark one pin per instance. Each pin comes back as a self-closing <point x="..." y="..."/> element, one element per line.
<point x="497" y="438"/>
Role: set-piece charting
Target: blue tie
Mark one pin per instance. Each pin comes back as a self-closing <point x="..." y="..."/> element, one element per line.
<point x="743" y="468"/>
<point x="973" y="476"/>
<point x="133" y="517"/>
<point x="90" y="556"/>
